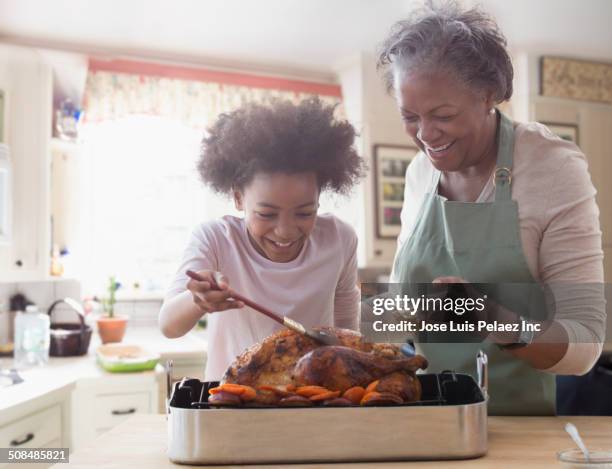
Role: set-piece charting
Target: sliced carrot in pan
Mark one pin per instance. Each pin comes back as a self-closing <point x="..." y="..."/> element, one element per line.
<point x="325" y="395"/>
<point x="369" y="396"/>
<point x="354" y="394"/>
<point x="309" y="391"/>
<point x="372" y="386"/>
<point x="276" y="390"/>
<point x="246" y="393"/>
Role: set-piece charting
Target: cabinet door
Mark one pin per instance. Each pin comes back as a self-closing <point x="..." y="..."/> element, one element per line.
<point x="33" y="431"/>
<point x="28" y="119"/>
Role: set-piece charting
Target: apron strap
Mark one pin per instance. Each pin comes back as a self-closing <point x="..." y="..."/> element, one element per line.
<point x="502" y="176"/>
<point x="435" y="180"/>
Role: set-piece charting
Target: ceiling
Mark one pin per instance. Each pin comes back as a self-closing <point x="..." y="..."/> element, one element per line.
<point x="302" y="37"/>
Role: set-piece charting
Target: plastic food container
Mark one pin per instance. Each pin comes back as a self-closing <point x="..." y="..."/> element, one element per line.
<point x="120" y="358"/>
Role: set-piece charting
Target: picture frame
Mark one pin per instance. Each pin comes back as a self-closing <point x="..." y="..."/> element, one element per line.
<point x="584" y="80"/>
<point x="565" y="131"/>
<point x="389" y="168"/>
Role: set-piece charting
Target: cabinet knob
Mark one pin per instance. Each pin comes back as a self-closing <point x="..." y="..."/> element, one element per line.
<point x="28" y="437"/>
<point x="124" y="412"/>
<point x="19" y="263"/>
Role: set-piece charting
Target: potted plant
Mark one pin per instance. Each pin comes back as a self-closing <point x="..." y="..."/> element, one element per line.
<point x="111" y="326"/>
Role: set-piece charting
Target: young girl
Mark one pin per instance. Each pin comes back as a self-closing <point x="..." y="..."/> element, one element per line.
<point x="275" y="161"/>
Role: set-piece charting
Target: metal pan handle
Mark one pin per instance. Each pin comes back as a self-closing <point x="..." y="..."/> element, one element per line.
<point x="482" y="369"/>
<point x="169" y="365"/>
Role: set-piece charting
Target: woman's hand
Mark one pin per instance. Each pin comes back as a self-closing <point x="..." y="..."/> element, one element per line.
<point x="449" y="279"/>
<point x="459" y="288"/>
<point x="211" y="292"/>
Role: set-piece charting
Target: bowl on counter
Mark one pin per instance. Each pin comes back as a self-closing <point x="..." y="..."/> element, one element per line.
<point x="575" y="459"/>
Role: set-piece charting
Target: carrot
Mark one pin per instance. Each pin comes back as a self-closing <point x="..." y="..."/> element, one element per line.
<point x="228" y="387"/>
<point x="354" y="394"/>
<point x="247" y="393"/>
<point x="216" y="390"/>
<point x="290" y="387"/>
<point x="381" y="398"/>
<point x="372" y="386"/>
<point x="309" y="391"/>
<point x="324" y="396"/>
<point x="368" y="396"/>
<point x="276" y="390"/>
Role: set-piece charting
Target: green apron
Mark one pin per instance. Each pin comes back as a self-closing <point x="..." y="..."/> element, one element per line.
<point x="481" y="243"/>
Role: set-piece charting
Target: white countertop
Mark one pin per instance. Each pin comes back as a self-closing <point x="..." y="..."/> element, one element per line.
<point x="61" y="373"/>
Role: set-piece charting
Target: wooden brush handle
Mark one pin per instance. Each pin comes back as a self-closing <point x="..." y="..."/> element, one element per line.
<point x="239" y="297"/>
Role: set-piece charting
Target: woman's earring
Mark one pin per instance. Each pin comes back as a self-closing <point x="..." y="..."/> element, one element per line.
<point x="492" y="111"/>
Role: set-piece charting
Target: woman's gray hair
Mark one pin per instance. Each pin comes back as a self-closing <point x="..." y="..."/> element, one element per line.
<point x="442" y="36"/>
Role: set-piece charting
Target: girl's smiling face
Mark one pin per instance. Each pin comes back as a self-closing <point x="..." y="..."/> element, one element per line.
<point x="280" y="212"/>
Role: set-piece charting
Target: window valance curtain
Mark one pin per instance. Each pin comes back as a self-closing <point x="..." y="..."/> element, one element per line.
<point x="195" y="97"/>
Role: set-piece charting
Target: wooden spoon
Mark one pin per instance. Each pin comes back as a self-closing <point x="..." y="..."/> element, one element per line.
<point x="320" y="336"/>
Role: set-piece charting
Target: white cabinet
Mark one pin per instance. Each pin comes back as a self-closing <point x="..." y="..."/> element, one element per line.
<point x="28" y="82"/>
<point x="112" y="409"/>
<point x="6" y="191"/>
<point x="99" y="404"/>
<point x="66" y="197"/>
<point x="33" y="431"/>
<point x="43" y="422"/>
<point x="188" y="368"/>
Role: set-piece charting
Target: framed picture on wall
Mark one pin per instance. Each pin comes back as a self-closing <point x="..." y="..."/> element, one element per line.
<point x="390" y="164"/>
<point x="565" y="131"/>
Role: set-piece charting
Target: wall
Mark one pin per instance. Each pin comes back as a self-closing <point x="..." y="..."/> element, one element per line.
<point x="376" y="117"/>
<point x="142" y="312"/>
<point x="594" y="121"/>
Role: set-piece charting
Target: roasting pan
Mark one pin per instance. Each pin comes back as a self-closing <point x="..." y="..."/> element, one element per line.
<point x="450" y="422"/>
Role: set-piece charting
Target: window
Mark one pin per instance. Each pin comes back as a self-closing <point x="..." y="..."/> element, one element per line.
<point x="141" y="199"/>
<point x="139" y="192"/>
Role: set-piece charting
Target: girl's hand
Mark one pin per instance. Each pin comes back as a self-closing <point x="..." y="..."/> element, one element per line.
<point x="211" y="292"/>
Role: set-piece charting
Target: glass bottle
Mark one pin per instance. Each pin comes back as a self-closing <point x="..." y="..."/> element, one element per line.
<point x="32" y="338"/>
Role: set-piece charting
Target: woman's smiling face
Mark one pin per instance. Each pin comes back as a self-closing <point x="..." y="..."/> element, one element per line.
<point x="280" y="212"/>
<point x="447" y="120"/>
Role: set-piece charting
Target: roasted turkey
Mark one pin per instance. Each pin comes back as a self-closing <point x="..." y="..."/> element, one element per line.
<point x="341" y="368"/>
<point x="286" y="360"/>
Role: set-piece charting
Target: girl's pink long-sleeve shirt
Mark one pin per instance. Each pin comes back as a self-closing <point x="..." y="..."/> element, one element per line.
<point x="317" y="288"/>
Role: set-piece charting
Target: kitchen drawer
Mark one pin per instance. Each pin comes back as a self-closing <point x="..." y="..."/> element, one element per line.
<point x="37" y="465"/>
<point x="33" y="431"/>
<point x="112" y="409"/>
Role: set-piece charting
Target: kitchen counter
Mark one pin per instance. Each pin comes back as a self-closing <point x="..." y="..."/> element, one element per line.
<point x="60" y="375"/>
<point x="526" y="442"/>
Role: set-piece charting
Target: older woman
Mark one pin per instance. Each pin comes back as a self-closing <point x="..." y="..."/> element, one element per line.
<point x="493" y="201"/>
